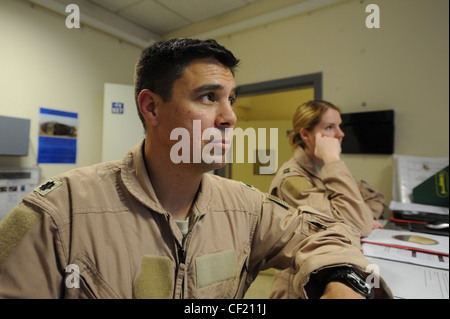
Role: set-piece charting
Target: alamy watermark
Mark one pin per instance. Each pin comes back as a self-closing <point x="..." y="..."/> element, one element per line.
<point x="374" y="275"/>
<point x="373" y="19"/>
<point x="73" y="277"/>
<point x="73" y="19"/>
<point x="221" y="141"/>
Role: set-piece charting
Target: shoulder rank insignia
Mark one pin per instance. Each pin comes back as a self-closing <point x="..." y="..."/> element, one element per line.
<point x="282" y="203"/>
<point x="48" y="186"/>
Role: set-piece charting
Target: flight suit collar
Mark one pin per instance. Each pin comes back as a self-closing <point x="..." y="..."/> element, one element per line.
<point x="135" y="177"/>
<point x="136" y="180"/>
<point x="205" y="195"/>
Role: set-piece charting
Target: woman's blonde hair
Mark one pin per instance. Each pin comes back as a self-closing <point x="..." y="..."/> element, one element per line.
<point x="307" y="116"/>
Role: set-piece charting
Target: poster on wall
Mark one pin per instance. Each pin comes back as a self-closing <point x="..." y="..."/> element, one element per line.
<point x="57" y="137"/>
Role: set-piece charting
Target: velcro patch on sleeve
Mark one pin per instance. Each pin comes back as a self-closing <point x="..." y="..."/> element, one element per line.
<point x="155" y="280"/>
<point x="295" y="185"/>
<point x="216" y="267"/>
<point x="13" y="228"/>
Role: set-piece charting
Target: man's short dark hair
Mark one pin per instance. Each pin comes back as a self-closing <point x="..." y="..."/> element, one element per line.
<point x="162" y="63"/>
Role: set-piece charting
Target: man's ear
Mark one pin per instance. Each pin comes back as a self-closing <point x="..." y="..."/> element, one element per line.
<point x="148" y="102"/>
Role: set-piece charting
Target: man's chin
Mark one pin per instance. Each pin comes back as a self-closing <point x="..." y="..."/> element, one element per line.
<point x="214" y="163"/>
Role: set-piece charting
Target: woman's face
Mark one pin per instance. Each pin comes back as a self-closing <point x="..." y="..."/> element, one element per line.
<point x="329" y="126"/>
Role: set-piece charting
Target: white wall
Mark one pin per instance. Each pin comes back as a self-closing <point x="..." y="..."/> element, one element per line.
<point x="44" y="64"/>
<point x="120" y="130"/>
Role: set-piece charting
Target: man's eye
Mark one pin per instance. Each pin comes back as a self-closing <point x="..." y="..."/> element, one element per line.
<point x="232" y="100"/>
<point x="208" y="97"/>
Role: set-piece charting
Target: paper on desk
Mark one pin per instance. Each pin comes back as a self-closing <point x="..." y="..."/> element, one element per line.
<point x="409" y="281"/>
<point x="406" y="255"/>
<point x="394" y="205"/>
<point x="408" y="240"/>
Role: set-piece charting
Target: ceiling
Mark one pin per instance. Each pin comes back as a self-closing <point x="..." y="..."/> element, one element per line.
<point x="163" y="16"/>
<point x="141" y="22"/>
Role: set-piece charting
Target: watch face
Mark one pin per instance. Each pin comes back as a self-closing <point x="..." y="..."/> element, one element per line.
<point x="359" y="284"/>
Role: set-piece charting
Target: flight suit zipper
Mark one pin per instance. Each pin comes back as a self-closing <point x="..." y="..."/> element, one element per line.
<point x="181" y="251"/>
<point x="182" y="247"/>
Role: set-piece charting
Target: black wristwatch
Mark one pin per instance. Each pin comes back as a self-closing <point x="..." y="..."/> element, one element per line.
<point x="351" y="278"/>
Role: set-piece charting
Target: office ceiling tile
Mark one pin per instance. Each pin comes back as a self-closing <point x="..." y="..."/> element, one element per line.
<point x="115" y="5"/>
<point x="199" y="10"/>
<point x="153" y="16"/>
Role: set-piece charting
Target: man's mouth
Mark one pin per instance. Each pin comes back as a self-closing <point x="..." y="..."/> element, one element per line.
<point x="223" y="144"/>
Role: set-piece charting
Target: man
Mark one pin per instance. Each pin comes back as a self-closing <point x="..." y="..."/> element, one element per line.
<point x="147" y="227"/>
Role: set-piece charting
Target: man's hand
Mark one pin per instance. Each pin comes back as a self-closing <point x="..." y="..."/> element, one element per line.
<point x="328" y="149"/>
<point x="338" y="290"/>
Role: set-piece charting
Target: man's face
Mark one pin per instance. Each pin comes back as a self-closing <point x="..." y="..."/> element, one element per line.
<point x="206" y="92"/>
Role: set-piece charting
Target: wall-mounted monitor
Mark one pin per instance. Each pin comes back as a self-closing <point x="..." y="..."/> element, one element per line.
<point x="368" y="132"/>
<point x="14" y="136"/>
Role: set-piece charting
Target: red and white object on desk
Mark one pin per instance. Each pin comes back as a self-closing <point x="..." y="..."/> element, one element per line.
<point x="409" y="240"/>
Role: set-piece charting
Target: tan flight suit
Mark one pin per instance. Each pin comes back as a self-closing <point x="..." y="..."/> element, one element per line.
<point x="332" y="190"/>
<point x="100" y="232"/>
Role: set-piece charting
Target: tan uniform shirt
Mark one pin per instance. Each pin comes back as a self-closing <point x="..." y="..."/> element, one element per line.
<point x="100" y="232"/>
<point x="333" y="191"/>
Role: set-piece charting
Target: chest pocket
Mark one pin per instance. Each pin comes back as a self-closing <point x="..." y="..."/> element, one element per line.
<point x="92" y="285"/>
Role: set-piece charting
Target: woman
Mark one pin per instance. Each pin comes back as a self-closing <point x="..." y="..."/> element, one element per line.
<point x="316" y="176"/>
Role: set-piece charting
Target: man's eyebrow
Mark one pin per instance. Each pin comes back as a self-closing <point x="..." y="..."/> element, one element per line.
<point x="212" y="87"/>
<point x="208" y="87"/>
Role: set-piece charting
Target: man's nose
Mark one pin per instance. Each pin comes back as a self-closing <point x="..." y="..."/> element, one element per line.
<point x="226" y="116"/>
